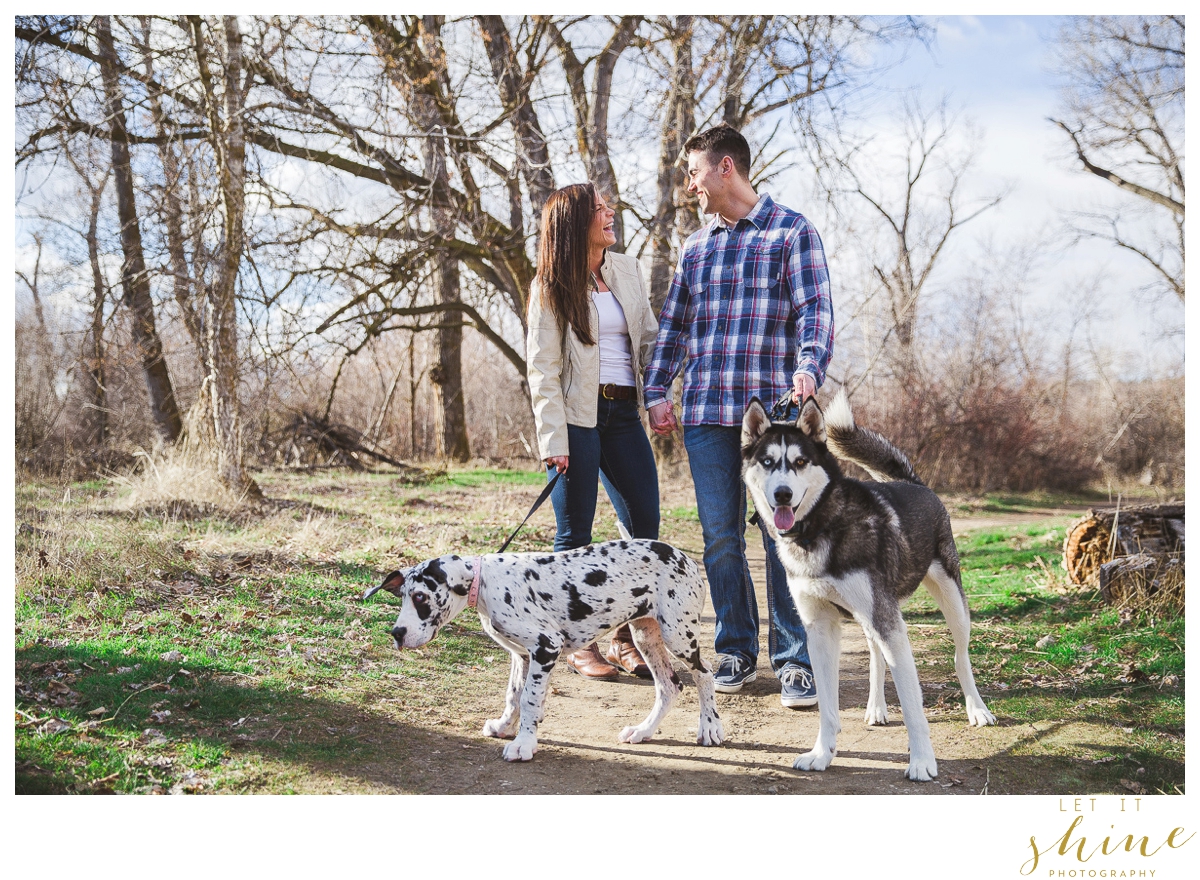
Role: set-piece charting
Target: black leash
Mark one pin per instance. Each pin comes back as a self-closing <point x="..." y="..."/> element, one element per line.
<point x="541" y="500"/>
<point x="781" y="406"/>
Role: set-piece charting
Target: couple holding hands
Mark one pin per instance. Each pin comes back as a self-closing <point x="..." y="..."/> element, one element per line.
<point x="748" y="315"/>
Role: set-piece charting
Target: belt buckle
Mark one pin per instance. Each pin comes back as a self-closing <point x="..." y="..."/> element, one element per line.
<point x="604" y="391"/>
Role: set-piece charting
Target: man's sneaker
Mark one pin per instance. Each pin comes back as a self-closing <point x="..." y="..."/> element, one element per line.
<point x="799" y="689"/>
<point x="733" y="672"/>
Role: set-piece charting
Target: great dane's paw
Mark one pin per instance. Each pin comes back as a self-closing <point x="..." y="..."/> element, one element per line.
<point x="497" y="728"/>
<point x="520" y="750"/>
<point x="979" y="716"/>
<point x="634" y="734"/>
<point x="921" y="769"/>
<point x="876" y="715"/>
<point x="710" y="734"/>
<point x="814" y="760"/>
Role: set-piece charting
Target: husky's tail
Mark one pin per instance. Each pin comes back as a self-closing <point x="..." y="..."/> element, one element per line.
<point x="864" y="447"/>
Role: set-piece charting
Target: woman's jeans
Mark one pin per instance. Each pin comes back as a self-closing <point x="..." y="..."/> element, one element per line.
<point x="715" y="456"/>
<point x="617" y="452"/>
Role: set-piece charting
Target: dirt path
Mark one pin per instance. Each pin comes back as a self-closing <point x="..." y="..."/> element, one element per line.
<point x="579" y="752"/>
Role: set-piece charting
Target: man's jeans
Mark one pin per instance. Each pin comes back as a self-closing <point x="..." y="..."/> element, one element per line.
<point x="715" y="456"/>
<point x="617" y="452"/>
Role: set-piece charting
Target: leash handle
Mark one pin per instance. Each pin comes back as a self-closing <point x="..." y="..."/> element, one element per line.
<point x="541" y="499"/>
<point x="781" y="406"/>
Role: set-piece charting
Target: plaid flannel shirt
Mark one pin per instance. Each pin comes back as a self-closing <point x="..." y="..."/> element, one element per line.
<point x="749" y="306"/>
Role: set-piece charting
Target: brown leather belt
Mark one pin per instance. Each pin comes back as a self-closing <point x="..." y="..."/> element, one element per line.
<point x="618" y="392"/>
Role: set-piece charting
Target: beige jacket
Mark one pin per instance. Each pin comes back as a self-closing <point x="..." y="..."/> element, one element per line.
<point x="564" y="381"/>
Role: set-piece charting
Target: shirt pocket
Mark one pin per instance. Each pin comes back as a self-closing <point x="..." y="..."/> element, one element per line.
<point x="762" y="267"/>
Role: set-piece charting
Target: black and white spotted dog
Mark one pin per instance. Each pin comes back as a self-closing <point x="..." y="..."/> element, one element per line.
<point x="538" y="605"/>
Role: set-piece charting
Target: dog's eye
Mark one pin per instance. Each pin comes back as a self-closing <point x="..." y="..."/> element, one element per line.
<point x="420" y="599"/>
<point x="767" y="461"/>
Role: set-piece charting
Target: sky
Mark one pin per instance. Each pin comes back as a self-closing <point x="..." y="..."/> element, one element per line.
<point x="996" y="70"/>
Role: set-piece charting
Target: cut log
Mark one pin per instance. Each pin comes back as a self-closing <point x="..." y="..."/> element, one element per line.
<point x="1101" y="536"/>
<point x="1144" y="582"/>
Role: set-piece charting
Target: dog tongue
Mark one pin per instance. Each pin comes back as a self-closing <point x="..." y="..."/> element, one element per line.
<point x="784" y="518"/>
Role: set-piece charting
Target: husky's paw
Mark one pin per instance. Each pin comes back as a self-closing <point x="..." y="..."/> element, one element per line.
<point x="921" y="769"/>
<point x="520" y="749"/>
<point x="814" y="760"/>
<point x="496" y="727"/>
<point x="979" y="716"/>
<point x="710" y="733"/>
<point x="876" y="715"/>
<point x="635" y="734"/>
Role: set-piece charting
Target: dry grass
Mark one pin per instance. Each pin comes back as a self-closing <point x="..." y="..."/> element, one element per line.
<point x="176" y="474"/>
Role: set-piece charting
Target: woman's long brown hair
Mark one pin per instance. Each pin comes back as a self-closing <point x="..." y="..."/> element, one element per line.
<point x="562" y="267"/>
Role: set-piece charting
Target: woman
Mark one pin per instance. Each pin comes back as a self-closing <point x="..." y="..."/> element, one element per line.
<point x="590" y="334"/>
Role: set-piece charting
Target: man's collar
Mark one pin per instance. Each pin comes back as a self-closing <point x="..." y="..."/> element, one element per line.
<point x="758" y="214"/>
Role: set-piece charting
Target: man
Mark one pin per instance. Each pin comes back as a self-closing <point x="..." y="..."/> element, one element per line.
<point x="749" y="309"/>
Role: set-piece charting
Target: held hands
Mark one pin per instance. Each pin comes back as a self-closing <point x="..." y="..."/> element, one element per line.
<point x="662" y="418"/>
<point x="558" y="462"/>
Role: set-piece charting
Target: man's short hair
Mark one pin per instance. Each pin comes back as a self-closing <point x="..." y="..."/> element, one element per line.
<point x="720" y="141"/>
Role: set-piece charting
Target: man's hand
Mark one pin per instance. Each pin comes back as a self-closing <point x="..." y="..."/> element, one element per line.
<point x="662" y="418"/>
<point x="559" y="462"/>
<point x="803" y="387"/>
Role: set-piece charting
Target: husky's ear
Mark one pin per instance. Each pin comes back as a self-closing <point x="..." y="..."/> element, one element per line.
<point x="812" y="421"/>
<point x="754" y="423"/>
<point x="393" y="583"/>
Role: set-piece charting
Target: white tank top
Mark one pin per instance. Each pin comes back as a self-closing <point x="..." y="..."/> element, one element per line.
<point x="615" y="363"/>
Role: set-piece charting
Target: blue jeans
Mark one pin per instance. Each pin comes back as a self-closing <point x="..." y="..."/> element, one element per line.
<point x="617" y="452"/>
<point x="715" y="456"/>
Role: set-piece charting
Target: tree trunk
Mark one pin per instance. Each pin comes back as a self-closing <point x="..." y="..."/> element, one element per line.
<point x="220" y="319"/>
<point x="450" y="414"/>
<point x="533" y="156"/>
<point x="172" y="207"/>
<point x="678" y="125"/>
<point x="97" y="398"/>
<point x="134" y="279"/>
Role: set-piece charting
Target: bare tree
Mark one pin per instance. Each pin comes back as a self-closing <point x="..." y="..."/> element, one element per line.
<point x="592" y="105"/>
<point x="918" y="215"/>
<point x="134" y="278"/>
<point x="223" y="103"/>
<point x="1124" y="115"/>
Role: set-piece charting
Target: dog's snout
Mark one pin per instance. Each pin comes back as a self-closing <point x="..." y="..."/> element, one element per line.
<point x="398" y="634"/>
<point x="783" y="496"/>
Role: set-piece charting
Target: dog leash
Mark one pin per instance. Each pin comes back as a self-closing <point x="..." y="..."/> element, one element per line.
<point x="473" y="593"/>
<point x="781" y="406"/>
<point x="541" y="499"/>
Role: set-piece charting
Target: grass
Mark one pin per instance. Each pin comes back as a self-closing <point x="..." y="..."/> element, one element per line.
<point x="173" y="647"/>
<point x="1045" y="652"/>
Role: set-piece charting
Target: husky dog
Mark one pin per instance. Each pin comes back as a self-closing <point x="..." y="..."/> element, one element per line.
<point x="858" y="549"/>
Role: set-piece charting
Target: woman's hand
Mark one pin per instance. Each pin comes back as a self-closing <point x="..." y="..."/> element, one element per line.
<point x="559" y="462"/>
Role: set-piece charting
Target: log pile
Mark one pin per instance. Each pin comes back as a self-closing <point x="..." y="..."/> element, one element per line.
<point x="1134" y="555"/>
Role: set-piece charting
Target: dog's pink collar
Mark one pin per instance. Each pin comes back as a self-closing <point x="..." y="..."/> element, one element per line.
<point x="473" y="595"/>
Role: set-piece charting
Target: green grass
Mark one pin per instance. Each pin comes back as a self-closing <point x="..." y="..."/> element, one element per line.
<point x="281" y="672"/>
<point x="1098" y="665"/>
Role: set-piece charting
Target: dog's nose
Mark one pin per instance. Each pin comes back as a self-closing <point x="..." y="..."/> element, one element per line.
<point x="398" y="634"/>
<point x="783" y="496"/>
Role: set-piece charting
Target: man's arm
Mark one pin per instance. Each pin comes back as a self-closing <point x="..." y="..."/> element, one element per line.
<point x="808" y="283"/>
<point x="670" y="345"/>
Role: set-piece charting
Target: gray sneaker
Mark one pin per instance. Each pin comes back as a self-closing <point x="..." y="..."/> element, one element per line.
<point x="733" y="672"/>
<point x="798" y="687"/>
